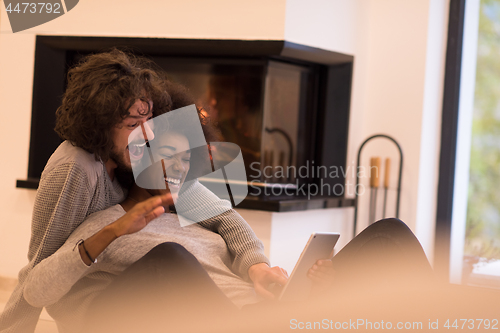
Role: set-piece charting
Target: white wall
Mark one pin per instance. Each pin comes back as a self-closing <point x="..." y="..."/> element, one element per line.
<point x="398" y="48"/>
<point x="431" y="123"/>
<point x="226" y="19"/>
<point x="16" y="73"/>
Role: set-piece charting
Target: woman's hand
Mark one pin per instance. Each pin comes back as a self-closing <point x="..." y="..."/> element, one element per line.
<point x="134" y="220"/>
<point x="322" y="274"/>
<point x="264" y="276"/>
<point x="140" y="215"/>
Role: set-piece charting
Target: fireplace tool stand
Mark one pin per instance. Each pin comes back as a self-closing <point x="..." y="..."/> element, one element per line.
<point x="374" y="181"/>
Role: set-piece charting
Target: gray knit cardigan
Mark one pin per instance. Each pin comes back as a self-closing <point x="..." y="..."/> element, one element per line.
<point x="74" y="185"/>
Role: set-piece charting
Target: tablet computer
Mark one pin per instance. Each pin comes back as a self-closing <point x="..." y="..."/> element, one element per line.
<point x="319" y="246"/>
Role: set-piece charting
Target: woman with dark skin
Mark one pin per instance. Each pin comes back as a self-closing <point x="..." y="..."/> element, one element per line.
<point x="191" y="265"/>
<point x="167" y="273"/>
<point x="145" y="263"/>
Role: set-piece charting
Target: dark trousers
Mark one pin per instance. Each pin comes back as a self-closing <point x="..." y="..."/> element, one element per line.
<point x="386" y="253"/>
<point x="167" y="288"/>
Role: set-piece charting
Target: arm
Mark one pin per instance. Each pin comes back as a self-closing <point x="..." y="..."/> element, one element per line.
<point x="200" y="204"/>
<point x="264" y="276"/>
<point x="55" y="276"/>
<point x="241" y="241"/>
<point x="61" y="204"/>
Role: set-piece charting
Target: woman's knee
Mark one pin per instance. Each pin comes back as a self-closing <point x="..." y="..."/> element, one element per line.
<point x="167" y="249"/>
<point x="170" y="253"/>
<point x="390" y="227"/>
<point x="390" y="223"/>
<point x="390" y="235"/>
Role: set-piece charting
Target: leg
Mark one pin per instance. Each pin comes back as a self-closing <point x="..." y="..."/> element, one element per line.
<point x="164" y="289"/>
<point x="383" y="273"/>
<point x="384" y="253"/>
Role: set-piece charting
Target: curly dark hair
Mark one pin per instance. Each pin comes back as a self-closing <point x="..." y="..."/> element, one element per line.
<point x="100" y="91"/>
<point x="181" y="97"/>
<point x="200" y="164"/>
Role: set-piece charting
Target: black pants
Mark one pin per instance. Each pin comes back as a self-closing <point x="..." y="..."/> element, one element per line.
<point x="169" y="287"/>
<point x="384" y="254"/>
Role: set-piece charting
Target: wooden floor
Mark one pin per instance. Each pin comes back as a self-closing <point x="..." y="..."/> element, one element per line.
<point x="45" y="324"/>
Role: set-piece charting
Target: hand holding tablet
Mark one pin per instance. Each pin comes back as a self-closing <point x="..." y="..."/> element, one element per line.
<point x="317" y="251"/>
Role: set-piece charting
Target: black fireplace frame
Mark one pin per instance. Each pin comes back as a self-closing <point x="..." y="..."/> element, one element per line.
<point x="52" y="60"/>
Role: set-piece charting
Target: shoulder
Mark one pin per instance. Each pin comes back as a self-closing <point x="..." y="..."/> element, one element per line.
<point x="70" y="157"/>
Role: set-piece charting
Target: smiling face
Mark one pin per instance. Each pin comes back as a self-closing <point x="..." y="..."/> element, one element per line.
<point x="139" y="113"/>
<point x="173" y="149"/>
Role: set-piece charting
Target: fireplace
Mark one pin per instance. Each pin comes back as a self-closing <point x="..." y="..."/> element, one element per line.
<point x="286" y="105"/>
